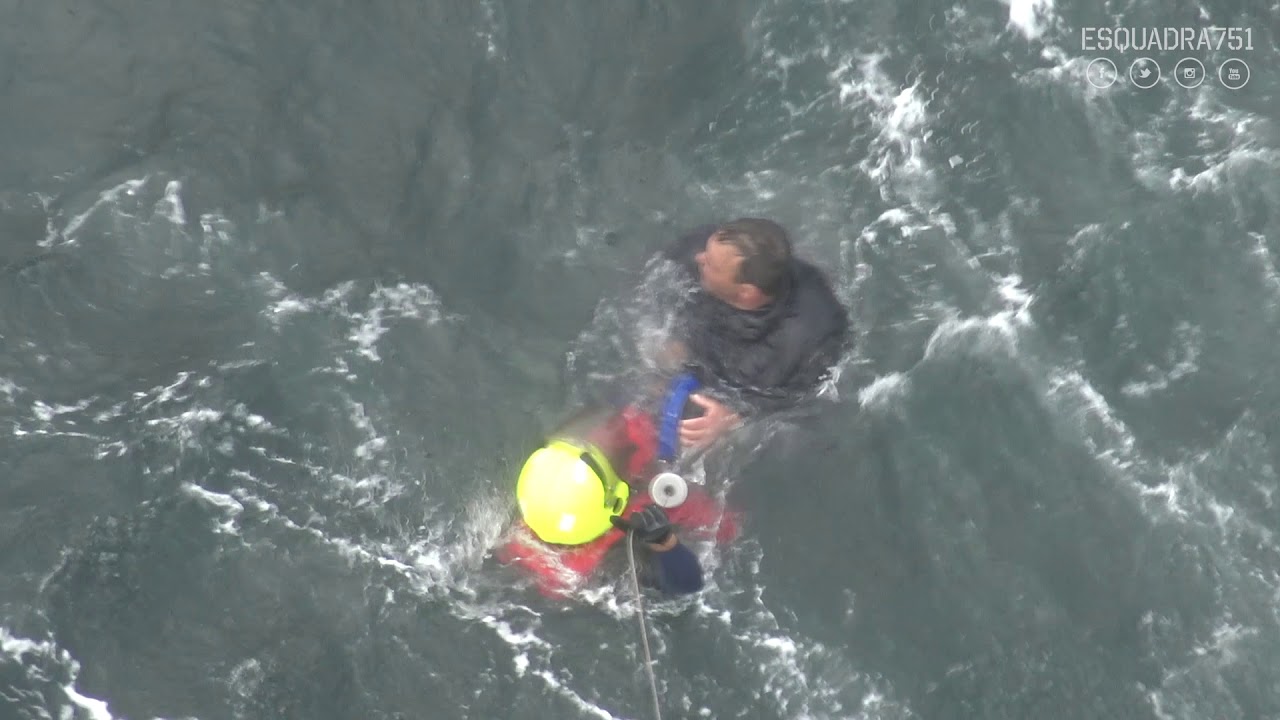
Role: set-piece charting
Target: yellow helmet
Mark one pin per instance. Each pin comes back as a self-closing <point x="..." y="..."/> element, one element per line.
<point x="567" y="493"/>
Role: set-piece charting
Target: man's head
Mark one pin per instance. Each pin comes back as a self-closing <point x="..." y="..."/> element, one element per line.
<point x="745" y="262"/>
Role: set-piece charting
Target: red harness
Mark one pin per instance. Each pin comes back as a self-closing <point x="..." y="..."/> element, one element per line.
<point x="559" y="568"/>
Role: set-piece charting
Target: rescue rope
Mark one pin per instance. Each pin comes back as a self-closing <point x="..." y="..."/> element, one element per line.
<point x="644" y="631"/>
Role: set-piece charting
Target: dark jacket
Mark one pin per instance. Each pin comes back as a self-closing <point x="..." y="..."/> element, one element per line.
<point x="763" y="359"/>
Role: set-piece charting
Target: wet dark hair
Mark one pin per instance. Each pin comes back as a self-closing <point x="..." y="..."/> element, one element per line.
<point x="765" y="250"/>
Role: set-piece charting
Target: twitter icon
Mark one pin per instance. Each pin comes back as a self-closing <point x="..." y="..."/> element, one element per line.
<point x="1144" y="72"/>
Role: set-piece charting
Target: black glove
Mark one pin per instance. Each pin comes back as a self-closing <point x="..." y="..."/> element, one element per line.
<point x="651" y="524"/>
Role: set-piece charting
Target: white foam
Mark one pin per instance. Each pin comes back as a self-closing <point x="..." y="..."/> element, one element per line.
<point x="246" y="677"/>
<point x="513" y="637"/>
<point x="402" y="301"/>
<point x="288" y="304"/>
<point x="105" y="198"/>
<point x="369" y="448"/>
<point x="222" y="501"/>
<point x="186" y="425"/>
<point x="883" y="391"/>
<point x="1156" y="698"/>
<point x="896" y="216"/>
<point x="115" y="411"/>
<point x="1016" y="296"/>
<point x="561" y="689"/>
<point x="1169" y="492"/>
<point x="163" y="394"/>
<point x="795" y="672"/>
<point x="1206" y="662"/>
<point x="1182" y="357"/>
<point x="254" y="421"/>
<point x="996" y="334"/>
<point x="216" y="227"/>
<point x="17" y="647"/>
<point x="782" y="646"/>
<point x="170" y="207"/>
<point x="1029" y="16"/>
<point x="489" y="29"/>
<point x="1267" y="264"/>
<point x="269" y="511"/>
<point x="398" y="302"/>
<point x="47" y="413"/>
<point x="1232" y="164"/>
<point x="901" y="116"/>
<point x="1105" y="434"/>
<point x="354" y="552"/>
<point x="97" y="709"/>
<point x="373" y="443"/>
<point x="427" y="564"/>
<point x="105" y="450"/>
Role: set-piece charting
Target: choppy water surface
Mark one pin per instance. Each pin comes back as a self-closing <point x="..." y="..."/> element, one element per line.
<point x="288" y="291"/>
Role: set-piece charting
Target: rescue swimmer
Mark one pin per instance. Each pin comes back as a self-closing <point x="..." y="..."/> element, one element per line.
<point x="593" y="481"/>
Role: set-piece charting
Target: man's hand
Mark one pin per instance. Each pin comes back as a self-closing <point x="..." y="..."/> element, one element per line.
<point x="716" y="420"/>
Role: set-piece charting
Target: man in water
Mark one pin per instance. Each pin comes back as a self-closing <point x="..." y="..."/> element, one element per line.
<point x="762" y="330"/>
<point x="759" y="334"/>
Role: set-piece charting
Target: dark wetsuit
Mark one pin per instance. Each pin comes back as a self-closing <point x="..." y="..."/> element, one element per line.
<point x="764" y="359"/>
<point x="676" y="571"/>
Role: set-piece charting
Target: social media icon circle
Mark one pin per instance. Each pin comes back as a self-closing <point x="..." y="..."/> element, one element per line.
<point x="1144" y="73"/>
<point x="1189" y="72"/>
<point x="1101" y="73"/>
<point x="1233" y="73"/>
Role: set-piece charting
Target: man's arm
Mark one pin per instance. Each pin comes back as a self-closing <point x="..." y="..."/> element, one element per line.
<point x="676" y="568"/>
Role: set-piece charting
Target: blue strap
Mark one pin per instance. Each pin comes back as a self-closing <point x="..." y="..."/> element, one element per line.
<point x="669" y="434"/>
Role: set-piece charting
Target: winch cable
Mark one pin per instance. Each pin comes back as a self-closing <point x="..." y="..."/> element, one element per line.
<point x="644" y="630"/>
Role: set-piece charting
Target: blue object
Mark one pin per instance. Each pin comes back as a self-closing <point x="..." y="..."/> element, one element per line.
<point x="677" y="571"/>
<point x="669" y="433"/>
